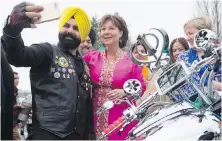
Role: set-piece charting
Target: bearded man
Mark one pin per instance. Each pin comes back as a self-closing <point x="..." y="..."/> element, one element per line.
<point x="62" y="107"/>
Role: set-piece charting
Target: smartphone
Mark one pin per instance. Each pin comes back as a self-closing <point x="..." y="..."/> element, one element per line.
<point x="50" y="13"/>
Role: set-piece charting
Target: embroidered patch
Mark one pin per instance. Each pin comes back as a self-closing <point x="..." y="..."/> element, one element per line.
<point x="63" y="62"/>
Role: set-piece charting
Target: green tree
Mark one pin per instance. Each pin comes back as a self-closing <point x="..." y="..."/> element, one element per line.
<point x="95" y="26"/>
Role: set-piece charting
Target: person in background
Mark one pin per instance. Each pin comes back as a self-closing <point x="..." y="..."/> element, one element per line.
<point x="62" y="106"/>
<point x="140" y="48"/>
<point x="87" y="45"/>
<point x="148" y="77"/>
<point x="109" y="70"/>
<point x="191" y="28"/>
<point x="177" y="46"/>
<point x="17" y="109"/>
<point x="16" y="82"/>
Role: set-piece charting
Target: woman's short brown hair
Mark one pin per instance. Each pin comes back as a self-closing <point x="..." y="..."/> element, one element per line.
<point x="120" y="23"/>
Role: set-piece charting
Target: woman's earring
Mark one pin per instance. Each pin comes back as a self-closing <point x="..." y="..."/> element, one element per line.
<point x="120" y="40"/>
<point x="121" y="34"/>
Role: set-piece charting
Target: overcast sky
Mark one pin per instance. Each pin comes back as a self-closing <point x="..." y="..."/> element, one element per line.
<point x="140" y="16"/>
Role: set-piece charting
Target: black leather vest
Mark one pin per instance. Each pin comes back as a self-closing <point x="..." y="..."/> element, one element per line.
<point x="60" y="98"/>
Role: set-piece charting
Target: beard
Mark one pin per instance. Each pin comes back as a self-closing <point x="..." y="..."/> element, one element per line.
<point x="84" y="52"/>
<point x="71" y="43"/>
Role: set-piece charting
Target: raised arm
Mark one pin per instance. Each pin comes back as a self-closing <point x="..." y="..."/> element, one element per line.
<point x="17" y="54"/>
<point x="22" y="56"/>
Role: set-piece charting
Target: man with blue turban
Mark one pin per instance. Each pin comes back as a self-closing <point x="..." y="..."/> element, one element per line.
<point x="61" y="90"/>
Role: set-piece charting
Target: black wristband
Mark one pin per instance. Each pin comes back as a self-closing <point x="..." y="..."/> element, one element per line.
<point x="16" y="21"/>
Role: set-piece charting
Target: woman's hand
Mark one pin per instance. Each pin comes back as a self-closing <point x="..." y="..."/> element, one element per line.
<point x="217" y="85"/>
<point x="116" y="94"/>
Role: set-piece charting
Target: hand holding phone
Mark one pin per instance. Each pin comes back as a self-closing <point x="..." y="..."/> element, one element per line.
<point x="50" y="12"/>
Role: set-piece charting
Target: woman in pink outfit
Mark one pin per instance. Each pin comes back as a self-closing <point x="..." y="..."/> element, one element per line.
<point x="109" y="70"/>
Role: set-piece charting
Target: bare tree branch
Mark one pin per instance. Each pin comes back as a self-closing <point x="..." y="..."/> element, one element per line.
<point x="203" y="8"/>
<point x="213" y="9"/>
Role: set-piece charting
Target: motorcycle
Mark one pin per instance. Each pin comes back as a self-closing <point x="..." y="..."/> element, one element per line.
<point x="180" y="120"/>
